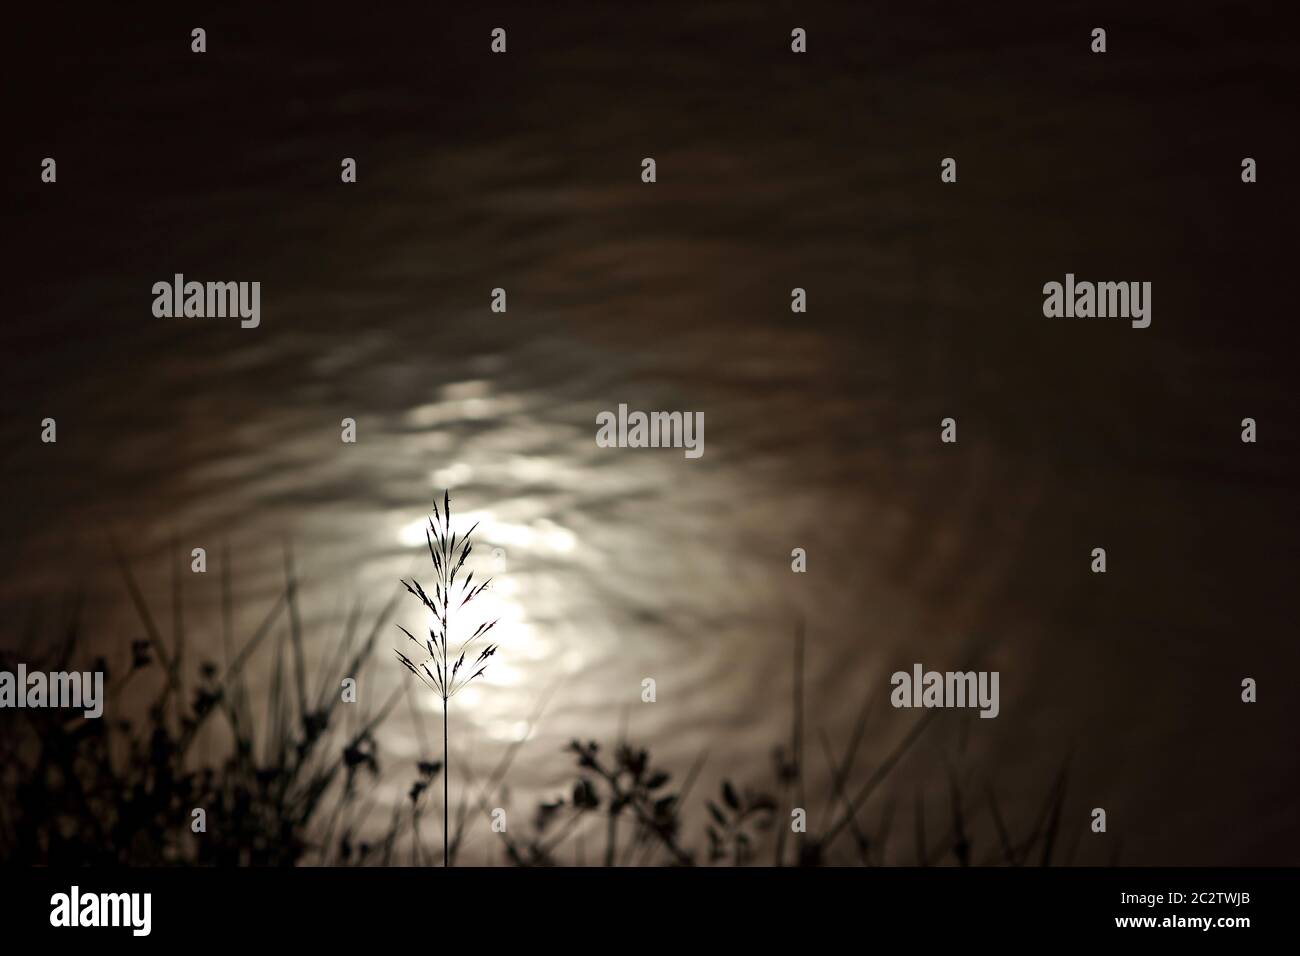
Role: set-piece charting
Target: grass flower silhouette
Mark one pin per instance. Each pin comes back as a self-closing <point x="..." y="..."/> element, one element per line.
<point x="444" y="670"/>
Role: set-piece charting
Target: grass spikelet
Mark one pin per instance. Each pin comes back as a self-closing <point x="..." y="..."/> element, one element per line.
<point x="448" y="675"/>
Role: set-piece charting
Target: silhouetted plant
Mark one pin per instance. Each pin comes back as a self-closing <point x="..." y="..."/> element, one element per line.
<point x="119" y="790"/>
<point x="740" y="818"/>
<point x="627" y="784"/>
<point x="288" y="786"/>
<point x="449" y="673"/>
<point x="734" y="820"/>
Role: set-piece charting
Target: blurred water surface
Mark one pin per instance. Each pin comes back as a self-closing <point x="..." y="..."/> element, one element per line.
<point x="612" y="566"/>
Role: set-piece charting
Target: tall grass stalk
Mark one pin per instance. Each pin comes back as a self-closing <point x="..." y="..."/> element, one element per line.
<point x="449" y="673"/>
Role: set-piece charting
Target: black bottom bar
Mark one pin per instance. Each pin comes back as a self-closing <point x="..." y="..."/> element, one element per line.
<point x="666" y="907"/>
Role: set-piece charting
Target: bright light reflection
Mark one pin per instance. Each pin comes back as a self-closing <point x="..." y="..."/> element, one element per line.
<point x="503" y="602"/>
<point x="543" y="535"/>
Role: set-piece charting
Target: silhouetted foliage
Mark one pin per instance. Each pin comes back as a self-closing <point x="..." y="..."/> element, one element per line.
<point x="117" y="791"/>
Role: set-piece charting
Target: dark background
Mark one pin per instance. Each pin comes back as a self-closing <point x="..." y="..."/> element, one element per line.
<point x="775" y="170"/>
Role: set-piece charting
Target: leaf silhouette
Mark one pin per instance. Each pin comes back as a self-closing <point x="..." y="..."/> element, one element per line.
<point x="729" y="795"/>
